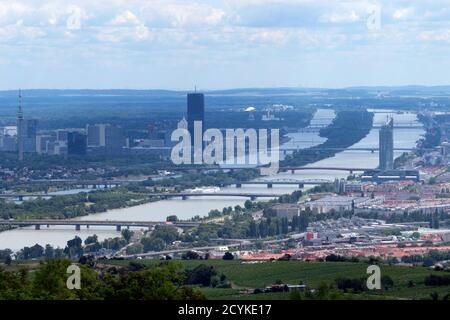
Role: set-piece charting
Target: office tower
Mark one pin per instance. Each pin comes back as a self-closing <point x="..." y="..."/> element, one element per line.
<point x="387" y="146"/>
<point x="105" y="138"/>
<point x="76" y="143"/>
<point x="45" y="144"/>
<point x="96" y="135"/>
<point x="29" y="133"/>
<point x="19" y="128"/>
<point x="195" y="111"/>
<point x="114" y="139"/>
<point x="61" y="135"/>
<point x="340" y="186"/>
<point x="8" y="143"/>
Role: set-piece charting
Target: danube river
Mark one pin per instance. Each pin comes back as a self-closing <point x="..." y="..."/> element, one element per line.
<point x="58" y="236"/>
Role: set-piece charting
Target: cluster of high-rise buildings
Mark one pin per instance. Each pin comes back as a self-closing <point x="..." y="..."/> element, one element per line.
<point x="97" y="138"/>
<point x="24" y="137"/>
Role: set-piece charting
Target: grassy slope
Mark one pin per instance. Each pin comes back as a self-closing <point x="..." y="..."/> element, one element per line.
<point x="311" y="274"/>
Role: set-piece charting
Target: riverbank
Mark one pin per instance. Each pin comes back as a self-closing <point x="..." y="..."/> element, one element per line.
<point x="347" y="129"/>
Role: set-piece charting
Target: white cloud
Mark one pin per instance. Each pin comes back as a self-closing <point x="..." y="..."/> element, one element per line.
<point x="218" y="30"/>
<point x="125" y="25"/>
<point x="182" y="15"/>
<point x="13" y="11"/>
<point x="341" y="17"/>
<point x="12" y="31"/>
<point x="435" y="35"/>
<point x="404" y="13"/>
<point x="126" y="17"/>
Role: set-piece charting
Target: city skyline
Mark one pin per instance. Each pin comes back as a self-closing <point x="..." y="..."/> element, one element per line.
<point x="175" y="44"/>
<point x="236" y="150"/>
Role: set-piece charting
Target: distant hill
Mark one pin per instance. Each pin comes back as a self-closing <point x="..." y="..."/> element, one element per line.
<point x="411" y="89"/>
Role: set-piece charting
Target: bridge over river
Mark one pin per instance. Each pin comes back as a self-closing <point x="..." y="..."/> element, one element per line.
<point x="270" y="183"/>
<point x="186" y="195"/>
<point x="78" y="223"/>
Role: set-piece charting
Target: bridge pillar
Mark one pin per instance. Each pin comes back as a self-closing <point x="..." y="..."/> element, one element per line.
<point x="20" y="198"/>
<point x="184" y="197"/>
<point x="77" y="227"/>
<point x="293" y="171"/>
<point x="238" y="185"/>
<point x="94" y="186"/>
<point x="301" y="185"/>
<point x="37" y="227"/>
<point x="253" y="198"/>
<point x="48" y="226"/>
<point x="270" y="185"/>
<point x="351" y="171"/>
<point x="118" y="228"/>
<point x="87" y="226"/>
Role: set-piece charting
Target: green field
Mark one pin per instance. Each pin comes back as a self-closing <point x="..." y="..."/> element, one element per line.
<point x="312" y="274"/>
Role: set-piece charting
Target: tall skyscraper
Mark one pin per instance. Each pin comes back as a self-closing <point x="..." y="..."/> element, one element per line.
<point x="29" y="133"/>
<point x="195" y="111"/>
<point x="20" y="128"/>
<point x="96" y="136"/>
<point x="387" y="146"/>
<point x="114" y="139"/>
<point x="76" y="143"/>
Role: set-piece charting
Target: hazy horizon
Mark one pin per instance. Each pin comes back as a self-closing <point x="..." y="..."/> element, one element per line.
<point x="411" y="86"/>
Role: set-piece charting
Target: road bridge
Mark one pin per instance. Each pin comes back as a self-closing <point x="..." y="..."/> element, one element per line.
<point x="349" y="169"/>
<point x="317" y="128"/>
<point x="78" y="223"/>
<point x="187" y="195"/>
<point x="84" y="183"/>
<point x="21" y="196"/>
<point x="341" y="149"/>
<point x="270" y="183"/>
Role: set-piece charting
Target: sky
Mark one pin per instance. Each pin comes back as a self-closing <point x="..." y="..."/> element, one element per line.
<point x="217" y="44"/>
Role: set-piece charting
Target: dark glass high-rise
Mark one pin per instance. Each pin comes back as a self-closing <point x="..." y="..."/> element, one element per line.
<point x="195" y="111"/>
